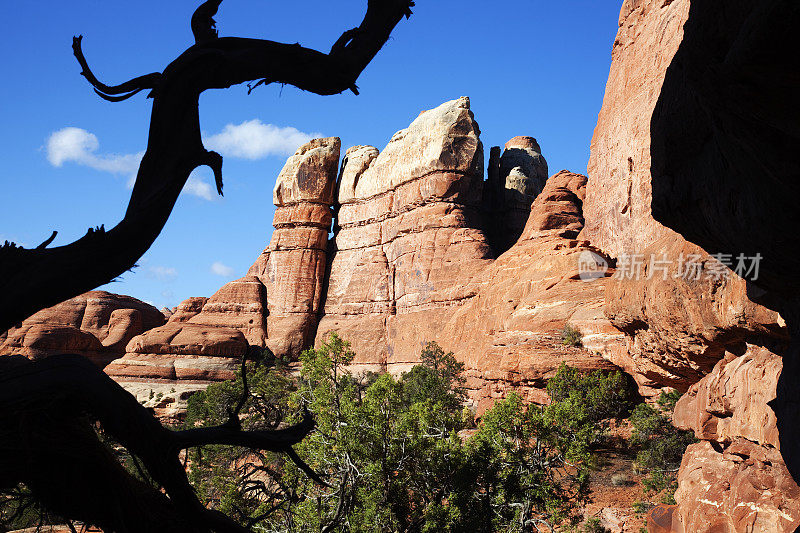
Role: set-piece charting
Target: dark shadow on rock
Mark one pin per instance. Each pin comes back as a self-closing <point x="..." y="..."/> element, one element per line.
<point x="725" y="158"/>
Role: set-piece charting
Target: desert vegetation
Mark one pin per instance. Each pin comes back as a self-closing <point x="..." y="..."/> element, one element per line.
<point x="403" y="453"/>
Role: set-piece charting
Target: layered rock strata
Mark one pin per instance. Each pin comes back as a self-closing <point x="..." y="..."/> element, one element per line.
<point x="735" y="478"/>
<point x="413" y="265"/>
<point x="407" y="236"/>
<point x="510" y="334"/>
<point x="293" y="266"/>
<point x="683" y="308"/>
<point x="680" y="306"/>
<point x="203" y="342"/>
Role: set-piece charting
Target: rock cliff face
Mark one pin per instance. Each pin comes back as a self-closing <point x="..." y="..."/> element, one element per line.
<point x="725" y="136"/>
<point x="412" y="262"/>
<point x="96" y="324"/>
<point x="726" y="175"/>
<point x="672" y="145"/>
<point x="679" y="323"/>
<point x="407" y="236"/>
<point x="526" y="298"/>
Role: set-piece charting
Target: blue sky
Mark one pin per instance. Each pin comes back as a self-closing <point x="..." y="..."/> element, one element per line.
<point x="530" y="67"/>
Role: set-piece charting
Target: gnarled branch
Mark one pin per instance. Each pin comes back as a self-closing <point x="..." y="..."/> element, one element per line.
<point x="108" y="92"/>
<point x="31" y="280"/>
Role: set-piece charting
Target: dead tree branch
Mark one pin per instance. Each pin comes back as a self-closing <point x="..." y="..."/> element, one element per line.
<point x="31" y="280"/>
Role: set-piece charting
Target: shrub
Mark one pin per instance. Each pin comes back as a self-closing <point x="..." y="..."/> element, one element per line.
<point x="600" y="395"/>
<point x="661" y="445"/>
<point x="389" y="448"/>
<point x="640" y="507"/>
<point x="571" y="336"/>
<point x="593" y="525"/>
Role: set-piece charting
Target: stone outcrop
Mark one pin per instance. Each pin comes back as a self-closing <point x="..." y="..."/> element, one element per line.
<point x="165" y="365"/>
<point x="510" y="334"/>
<point x="725" y="170"/>
<point x="559" y="206"/>
<point x="188" y="308"/>
<point x="276" y="305"/>
<point x="735" y="478"/>
<point x="96" y="324"/>
<point x="240" y="305"/>
<point x="515" y="179"/>
<point x="732" y="401"/>
<point x="725" y="136"/>
<point x="203" y="342"/>
<point x="658" y="156"/>
<point x="526" y="298"/>
<point x="292" y="268"/>
<point x="412" y="262"/>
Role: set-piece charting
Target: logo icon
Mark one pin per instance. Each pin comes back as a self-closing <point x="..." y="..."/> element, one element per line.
<point x="592" y="266"/>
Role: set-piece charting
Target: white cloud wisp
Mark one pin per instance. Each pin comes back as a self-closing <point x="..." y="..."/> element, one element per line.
<point x="253" y="140"/>
<point x="220" y="269"/>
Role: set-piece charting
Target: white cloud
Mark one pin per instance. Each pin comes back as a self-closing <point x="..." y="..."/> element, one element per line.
<point x="220" y="269"/>
<point x="75" y="145"/>
<point x="253" y="139"/>
<point x="200" y="188"/>
<point x="162" y="273"/>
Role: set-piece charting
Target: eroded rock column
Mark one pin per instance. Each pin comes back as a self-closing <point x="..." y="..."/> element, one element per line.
<point x="293" y="266"/>
<point x="408" y="236"/>
<point x="515" y="179"/>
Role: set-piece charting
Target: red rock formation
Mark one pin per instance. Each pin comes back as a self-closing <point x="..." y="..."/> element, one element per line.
<point x="405" y="273"/>
<point x="43" y="340"/>
<point x="735" y="479"/>
<point x="558" y="206"/>
<point x="515" y="179"/>
<point x="526" y="298"/>
<point x="725" y="136"/>
<point x="407" y="236"/>
<point x="202" y="343"/>
<point x="293" y="266"/>
<point x="510" y="334"/>
<point x="241" y="305"/>
<point x="96" y="324"/>
<point x="725" y="169"/>
<point x="165" y="365"/>
<point x="188" y="309"/>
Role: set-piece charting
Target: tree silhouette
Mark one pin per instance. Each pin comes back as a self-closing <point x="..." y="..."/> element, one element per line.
<point x="47" y="407"/>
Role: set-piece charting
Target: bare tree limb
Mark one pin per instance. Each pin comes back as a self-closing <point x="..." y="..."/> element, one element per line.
<point x="31" y="280"/>
<point x="127" y="89"/>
